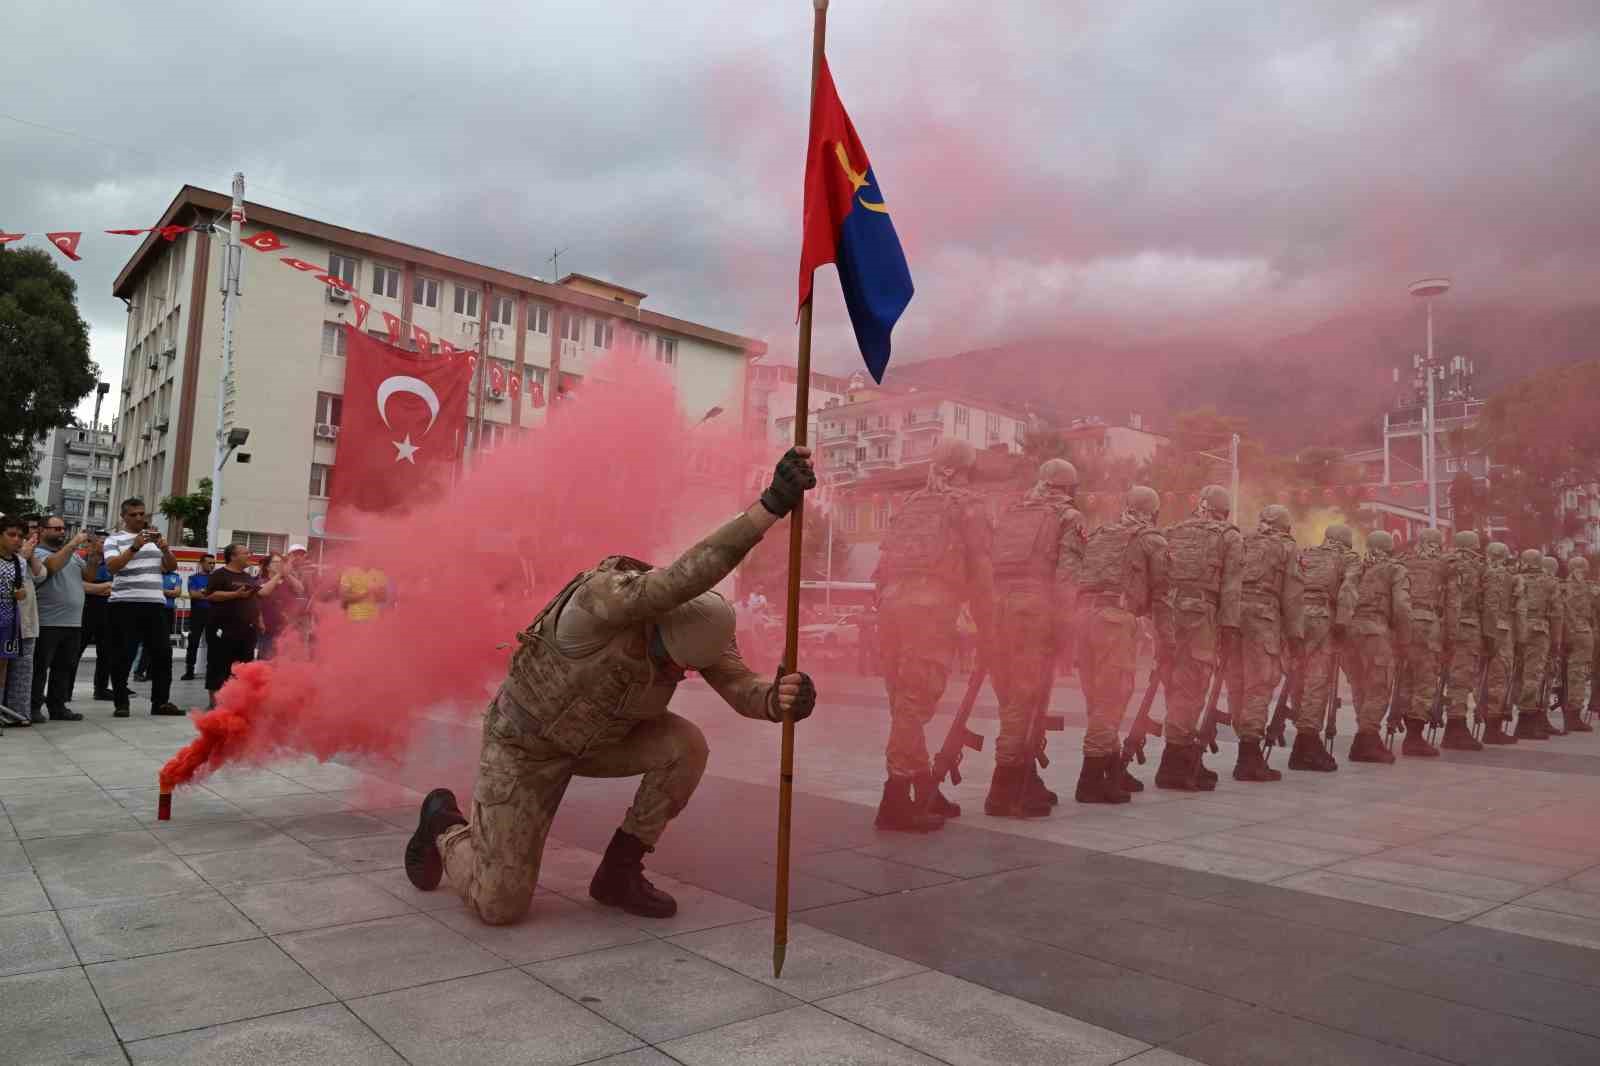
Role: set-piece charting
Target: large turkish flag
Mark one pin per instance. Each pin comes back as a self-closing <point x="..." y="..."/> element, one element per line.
<point x="403" y="427"/>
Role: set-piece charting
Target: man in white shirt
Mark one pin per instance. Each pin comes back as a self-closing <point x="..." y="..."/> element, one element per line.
<point x="137" y="555"/>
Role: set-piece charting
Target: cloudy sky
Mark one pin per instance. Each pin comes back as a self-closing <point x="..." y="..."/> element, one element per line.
<point x="1055" y="167"/>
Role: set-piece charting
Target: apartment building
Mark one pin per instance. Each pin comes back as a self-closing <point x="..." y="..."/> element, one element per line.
<point x="73" y="468"/>
<point x="772" y="399"/>
<point x="542" y="339"/>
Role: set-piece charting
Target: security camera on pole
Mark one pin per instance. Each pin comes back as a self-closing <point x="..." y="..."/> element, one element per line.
<point x="1427" y="289"/>
<point x="230" y="300"/>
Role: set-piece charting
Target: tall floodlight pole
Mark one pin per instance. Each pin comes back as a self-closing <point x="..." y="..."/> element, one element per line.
<point x="230" y="301"/>
<point x="1427" y="289"/>
<point x="1233" y="461"/>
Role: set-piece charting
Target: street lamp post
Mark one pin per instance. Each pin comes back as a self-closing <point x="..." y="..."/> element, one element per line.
<point x="1427" y="289"/>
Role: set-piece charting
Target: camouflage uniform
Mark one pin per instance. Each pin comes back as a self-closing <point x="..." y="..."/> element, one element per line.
<point x="1375" y="612"/>
<point x="1272" y="600"/>
<point x="1538" y="615"/>
<point x="1579" y="603"/>
<point x="1500" y="591"/>
<point x="600" y="714"/>
<point x="1463" y="631"/>
<point x="1322" y="571"/>
<point x="1432" y="599"/>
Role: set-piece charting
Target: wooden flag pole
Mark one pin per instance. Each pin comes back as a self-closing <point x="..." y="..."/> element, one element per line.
<point x="791" y="629"/>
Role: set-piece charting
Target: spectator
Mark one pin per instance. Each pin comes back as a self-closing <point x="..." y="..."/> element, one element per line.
<point x="233" y="601"/>
<point x="61" y="598"/>
<point x="282" y="606"/>
<point x="137" y="556"/>
<point x="96" y="611"/>
<point x="19" y="679"/>
<point x="33" y="521"/>
<point x="171" y="586"/>
<point x="362" y="591"/>
<point x="197" y="614"/>
<point x="14" y="586"/>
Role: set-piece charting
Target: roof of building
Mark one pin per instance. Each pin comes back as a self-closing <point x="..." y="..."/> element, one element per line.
<point x="914" y="395"/>
<point x="192" y="203"/>
<point x="602" y="282"/>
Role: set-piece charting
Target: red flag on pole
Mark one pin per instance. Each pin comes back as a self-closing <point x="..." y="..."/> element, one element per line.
<point x="362" y="309"/>
<point x="401" y="412"/>
<point x="394" y="326"/>
<point x="7" y="238"/>
<point x="536" y="394"/>
<point x="424" y="341"/>
<point x="265" y="241"/>
<point x="66" y="244"/>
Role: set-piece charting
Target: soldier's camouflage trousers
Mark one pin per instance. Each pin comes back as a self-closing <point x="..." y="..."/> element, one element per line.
<point x="917" y="631"/>
<point x="1535" y="660"/>
<point x="1375" y="661"/>
<point x="1254" y="675"/>
<point x="1105" y="669"/>
<point x="493" y="861"/>
<point x="1195" y="638"/>
<point x="1501" y="661"/>
<point x="1419" y="681"/>
<point x="1314" y="667"/>
<point x="1024" y="650"/>
<point x="1466" y="662"/>
<point x="1580" y="656"/>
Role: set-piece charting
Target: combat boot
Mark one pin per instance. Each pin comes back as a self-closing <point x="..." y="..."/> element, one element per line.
<point x="1554" y="729"/>
<point x="1368" y="747"/>
<point x="1179" y="763"/>
<point x="1097" y="781"/>
<point x="1457" y="737"/>
<point x="1575" y="722"/>
<point x="1252" y="764"/>
<point x="1125" y="779"/>
<point x="620" y="880"/>
<point x="897" y="811"/>
<point x="1009" y="796"/>
<point x="927" y="797"/>
<point x="1204" y="777"/>
<point x="1415" y="743"/>
<point x="1494" y="732"/>
<point x="424" y="864"/>
<point x="1037" y="789"/>
<point x="1528" y="727"/>
<point x="1309" y="754"/>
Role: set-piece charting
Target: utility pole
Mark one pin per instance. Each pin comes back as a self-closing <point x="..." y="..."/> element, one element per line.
<point x="1233" y="461"/>
<point x="225" y="388"/>
<point x="100" y="390"/>
<point x="555" y="263"/>
<point x="1427" y="289"/>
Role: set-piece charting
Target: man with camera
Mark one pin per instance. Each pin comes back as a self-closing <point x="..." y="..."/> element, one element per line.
<point x="137" y="556"/>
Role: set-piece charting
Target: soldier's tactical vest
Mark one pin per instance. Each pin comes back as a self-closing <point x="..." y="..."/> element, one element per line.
<point x="1428" y="574"/>
<point x="1375" y="591"/>
<point x="1027" y="539"/>
<point x="1108" y="564"/>
<point x="924" y="537"/>
<point x="1194" y="552"/>
<point x="577" y="705"/>
<point x="1499" y="592"/>
<point x="1466" y="570"/>
<point x="1539" y="591"/>
<point x="1321" y="570"/>
<point x="1579" y="606"/>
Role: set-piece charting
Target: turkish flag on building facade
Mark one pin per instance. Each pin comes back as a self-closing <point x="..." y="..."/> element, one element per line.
<point x="403" y="420"/>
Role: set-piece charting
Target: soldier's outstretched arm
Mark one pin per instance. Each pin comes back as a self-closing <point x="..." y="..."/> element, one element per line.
<point x="621" y="597"/>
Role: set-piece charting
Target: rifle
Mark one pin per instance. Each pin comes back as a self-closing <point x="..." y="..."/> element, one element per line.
<point x="1280" y="713"/>
<point x="1513" y="685"/>
<point x="1436" y="714"/>
<point x="948" y="762"/>
<point x="1481" y="697"/>
<point x="1392" y="723"/>
<point x="1143" y="726"/>
<point x="1041" y="720"/>
<point x="1330" y="724"/>
<point x="1555" y="677"/>
<point x="1206" y="731"/>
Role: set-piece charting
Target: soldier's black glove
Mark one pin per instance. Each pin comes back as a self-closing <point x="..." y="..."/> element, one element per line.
<point x="790" y="480"/>
<point x="805" y="701"/>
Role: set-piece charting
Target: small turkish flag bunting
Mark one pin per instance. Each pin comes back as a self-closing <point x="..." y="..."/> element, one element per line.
<point x="424" y="341"/>
<point x="301" y="264"/>
<point x="536" y="391"/>
<point x="362" y="308"/>
<point x="265" y="241"/>
<point x="497" y="378"/>
<point x="7" y="238"/>
<point x="394" y="326"/>
<point x="170" y="233"/>
<point x="66" y="243"/>
<point x="448" y="350"/>
<point x="128" y="232"/>
<point x="516" y="384"/>
<point x="472" y="363"/>
<point x="338" y="283"/>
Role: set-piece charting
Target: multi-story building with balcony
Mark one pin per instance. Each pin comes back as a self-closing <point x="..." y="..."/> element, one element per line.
<point x="73" y="467"/>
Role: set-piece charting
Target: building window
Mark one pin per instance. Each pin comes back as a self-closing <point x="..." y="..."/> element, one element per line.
<point x="333" y="342"/>
<point x="572" y="328"/>
<point x="538" y="318"/>
<point x="667" y="350"/>
<point x="883" y="515"/>
<point x="1022" y="433"/>
<point x="861" y="454"/>
<point x="425" y="292"/>
<point x="880" y="451"/>
<point x="466" y="301"/>
<point x="330" y="408"/>
<point x="991" y="423"/>
<point x="602" y="334"/>
<point x="71" y="505"/>
<point x="962" y="416"/>
<point x="537" y="375"/>
<point x="504" y="311"/>
<point x="850" y="519"/>
<point x="321" y="480"/>
<point x="261" y="543"/>
<point x="386" y="282"/>
<point x="344" y="268"/>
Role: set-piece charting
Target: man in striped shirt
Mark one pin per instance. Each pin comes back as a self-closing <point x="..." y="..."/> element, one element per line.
<point x="137" y="556"/>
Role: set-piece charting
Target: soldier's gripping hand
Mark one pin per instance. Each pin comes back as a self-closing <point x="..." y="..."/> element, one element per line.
<point x="795" y="694"/>
<point x="790" y="480"/>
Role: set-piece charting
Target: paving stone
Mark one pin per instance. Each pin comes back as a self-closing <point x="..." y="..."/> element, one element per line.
<point x="645" y="1056"/>
<point x="289" y="906"/>
<point x="816" y="964"/>
<point x="968" y="1025"/>
<point x="365" y="853"/>
<point x="159" y="994"/>
<point x="137" y="877"/>
<point x="397" y="884"/>
<point x="198" y="839"/>
<point x="964" y="852"/>
<point x="1556" y="898"/>
<point x="315" y="1036"/>
<point x="52" y="1016"/>
<point x="1241" y="867"/>
<point x="1534" y="876"/>
<point x="190" y="806"/>
<point x="554" y="927"/>
<point x="237" y="785"/>
<point x="488" y="1020"/>
<point x="1326" y="912"/>
<point x="659" y="991"/>
<point x="1264" y="1038"/>
<point x="1159" y="1057"/>
<point x="1249" y="844"/>
<point x="291" y="805"/>
<point x="281" y="862"/>
<point x="802" y="1034"/>
<point x="1544" y="924"/>
<point x="1548" y="958"/>
<point x="124" y="930"/>
<point x="386" y="954"/>
<point x="21" y="893"/>
<point x="33" y="942"/>
<point x="872" y="875"/>
<point x="85" y="815"/>
<point x="336" y="826"/>
<point x="1381" y="868"/>
<point x="698" y="908"/>
<point x="1384" y="894"/>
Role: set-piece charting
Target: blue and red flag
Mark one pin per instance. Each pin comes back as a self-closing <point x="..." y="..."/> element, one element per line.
<point x="847" y="223"/>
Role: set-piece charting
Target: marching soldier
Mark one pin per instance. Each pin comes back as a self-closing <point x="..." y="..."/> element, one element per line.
<point x="1035" y="541"/>
<point x="1321" y="573"/>
<point x="1271" y="602"/>
<point x="1552" y="567"/>
<point x="936" y="556"/>
<point x="1432" y="595"/>
<point x="1375" y="619"/>
<point x="1205" y="566"/>
<point x="1122" y="576"/>
<point x="1538" y="620"/>
<point x="1501" y="588"/>
<point x="1463" y="640"/>
<point x="1577" y="597"/>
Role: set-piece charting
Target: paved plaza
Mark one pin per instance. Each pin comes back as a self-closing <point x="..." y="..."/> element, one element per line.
<point x="1436" y="911"/>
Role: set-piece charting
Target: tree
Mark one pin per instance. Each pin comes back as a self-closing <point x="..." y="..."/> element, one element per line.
<point x="193" y="510"/>
<point x="44" y="361"/>
<point x="767" y="565"/>
<point x="1466" y="502"/>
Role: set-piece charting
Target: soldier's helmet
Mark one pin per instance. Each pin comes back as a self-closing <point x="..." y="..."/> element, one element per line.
<point x="1430" y="540"/>
<point x="1276" y="516"/>
<point x="1143" y="501"/>
<point x="1551" y="564"/>
<point x="1467" y="540"/>
<point x="954" y="453"/>
<point x="1531" y="558"/>
<point x="1498" y="551"/>
<point x="698" y="632"/>
<point x="1380" y="541"/>
<point x="1339" y="533"/>
<point x="1058" y="473"/>
<point x="1577" y="566"/>
<point x="1215" y="499"/>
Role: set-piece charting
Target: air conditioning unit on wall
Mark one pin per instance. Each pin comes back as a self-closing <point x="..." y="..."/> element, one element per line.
<point x="337" y="295"/>
<point x="327" y="431"/>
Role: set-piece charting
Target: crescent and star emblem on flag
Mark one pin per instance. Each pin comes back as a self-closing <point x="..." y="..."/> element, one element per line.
<point x="858" y="179"/>
<point x="404" y="449"/>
